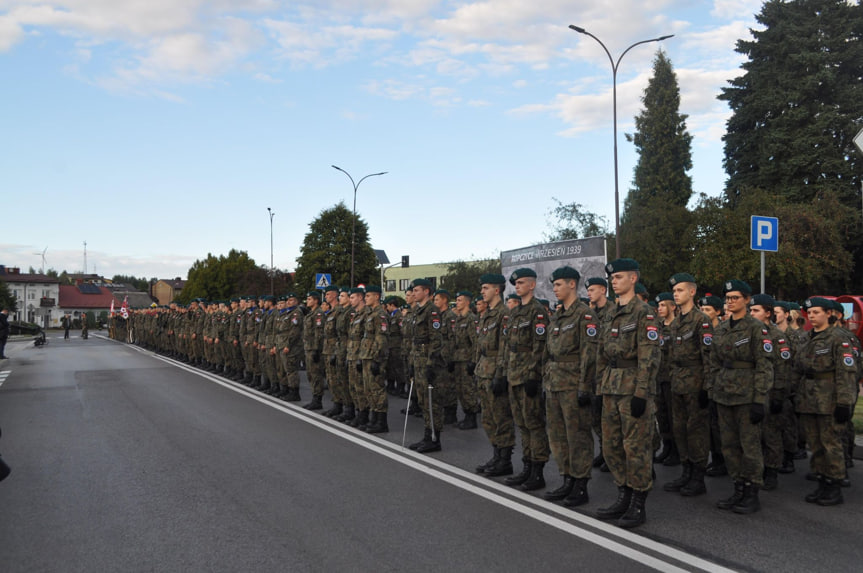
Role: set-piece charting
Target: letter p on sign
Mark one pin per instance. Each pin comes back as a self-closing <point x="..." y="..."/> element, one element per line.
<point x="764" y="234"/>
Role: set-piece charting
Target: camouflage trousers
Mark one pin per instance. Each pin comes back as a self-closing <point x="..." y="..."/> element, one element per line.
<point x="596" y="418"/>
<point x="569" y="434"/>
<point x="375" y="387"/>
<point x="465" y="388"/>
<point x="355" y="384"/>
<point x="664" y="409"/>
<point x="789" y="427"/>
<point x="336" y="379"/>
<point x="741" y="444"/>
<point x="315" y="373"/>
<point x="773" y="436"/>
<point x="691" y="428"/>
<point x="426" y="384"/>
<point x="266" y="361"/>
<point x="290" y="364"/>
<point x="445" y="385"/>
<point x="496" y="416"/>
<point x="627" y="442"/>
<point x="528" y="413"/>
<point x="825" y="441"/>
<point x="396" y="367"/>
<point x="715" y="438"/>
<point x="250" y="357"/>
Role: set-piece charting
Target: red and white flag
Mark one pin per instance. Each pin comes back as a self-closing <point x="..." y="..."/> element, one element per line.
<point x="112" y="307"/>
<point x="124" y="310"/>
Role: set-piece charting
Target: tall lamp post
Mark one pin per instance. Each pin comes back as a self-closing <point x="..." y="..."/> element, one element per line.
<point x="354" y="229"/>
<point x="272" y="269"/>
<point x="614" y="66"/>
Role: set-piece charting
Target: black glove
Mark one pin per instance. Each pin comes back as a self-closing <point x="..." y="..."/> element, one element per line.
<point x="431" y="374"/>
<point x="333" y="360"/>
<point x="775" y="406"/>
<point x="411" y="371"/>
<point x="499" y="386"/>
<point x="531" y="388"/>
<point x="375" y="368"/>
<point x="316" y="356"/>
<point x="450" y="366"/>
<point x="584" y="399"/>
<point x="703" y="399"/>
<point x="471" y="368"/>
<point x="841" y="413"/>
<point x="756" y="413"/>
<point x="637" y="407"/>
<point x="359" y="365"/>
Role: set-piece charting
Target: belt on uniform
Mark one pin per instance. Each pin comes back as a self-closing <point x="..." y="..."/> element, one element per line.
<point x="421" y="341"/>
<point x="820" y="375"/>
<point x="623" y="363"/>
<point x="738" y="365"/>
<point x="566" y="358"/>
<point x="687" y="363"/>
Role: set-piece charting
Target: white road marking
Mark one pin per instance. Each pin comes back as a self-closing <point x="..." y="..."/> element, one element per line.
<point x="502" y="497"/>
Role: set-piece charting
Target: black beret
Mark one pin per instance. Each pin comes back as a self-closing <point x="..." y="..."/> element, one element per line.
<point x="492" y="279"/>
<point x="565" y="273"/>
<point x="737" y="285"/>
<point x="314" y="293"/>
<point x="520" y="274"/>
<point x="331" y="288"/>
<point x="764" y="300"/>
<point x="442" y="292"/>
<point x="619" y="265"/>
<point x="422" y="282"/>
<point x="681" y="278"/>
<point x="640" y="288"/>
<point x="786" y="306"/>
<point x="664" y="296"/>
<point x="597" y="281"/>
<point x="466" y="293"/>
<point x="358" y="290"/>
<point x="818" y="301"/>
<point x="374" y="288"/>
<point x="713" y="301"/>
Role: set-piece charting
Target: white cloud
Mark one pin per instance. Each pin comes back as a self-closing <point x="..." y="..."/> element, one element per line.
<point x="10" y="33"/>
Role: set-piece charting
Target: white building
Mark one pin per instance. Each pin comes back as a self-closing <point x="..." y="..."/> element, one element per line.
<point x="37" y="296"/>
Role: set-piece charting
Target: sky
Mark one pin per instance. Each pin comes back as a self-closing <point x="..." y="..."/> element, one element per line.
<point x="158" y="131"/>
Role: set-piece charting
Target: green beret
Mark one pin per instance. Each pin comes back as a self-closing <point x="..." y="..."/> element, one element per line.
<point x="410" y="287"/>
<point x="713" y="301"/>
<point x="565" y="273"/>
<point x="268" y="297"/>
<point x="664" y="296"/>
<point x="291" y="295"/>
<point x="824" y="303"/>
<point x="492" y="279"/>
<point x="737" y="285"/>
<point x="357" y="290"/>
<point x="344" y="289"/>
<point x="652" y="303"/>
<point x="331" y="288"/>
<point x="442" y="292"/>
<point x="640" y="288"/>
<point x="584" y="299"/>
<point x="681" y="278"/>
<point x="391" y="300"/>
<point x="619" y="265"/>
<point x="513" y="296"/>
<point x="422" y="282"/>
<point x="314" y="293"/>
<point x="466" y="293"/>
<point x="520" y="274"/>
<point x="795" y="306"/>
<point x="235" y="299"/>
<point x="597" y="281"/>
<point x="786" y="306"/>
<point x="837" y="306"/>
<point x="764" y="300"/>
<point x="543" y="302"/>
<point x="373" y="288"/>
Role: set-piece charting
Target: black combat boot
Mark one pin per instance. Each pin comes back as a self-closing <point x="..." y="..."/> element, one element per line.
<point x="730" y="502"/>
<point x="578" y="495"/>
<point x="667" y="444"/>
<point x="771" y="479"/>
<point x="619" y="507"/>
<point x="749" y="503"/>
<point x="391" y="387"/>
<point x="432" y="445"/>
<point x="275" y="389"/>
<point x="361" y="419"/>
<point x="561" y="492"/>
<point x="372" y="420"/>
<point x="787" y="463"/>
<point x="832" y="494"/>
<point x="816" y="495"/>
<point x="403" y="391"/>
<point x="381" y="426"/>
<point x="293" y="395"/>
<point x="673" y="458"/>
<point x="347" y="415"/>
<point x="695" y="485"/>
<point x="469" y="421"/>
<point x="716" y="468"/>
<point x="315" y="404"/>
<point x="426" y="438"/>
<point x="677" y="485"/>
<point x="334" y="411"/>
<point x="490" y="463"/>
<point x="520" y="478"/>
<point x="503" y="465"/>
<point x="265" y="385"/>
<point x="450" y="414"/>
<point x="635" y="514"/>
<point x="536" y="480"/>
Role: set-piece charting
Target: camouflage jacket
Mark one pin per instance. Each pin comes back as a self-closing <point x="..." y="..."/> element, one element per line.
<point x="525" y="343"/>
<point x="570" y="349"/>
<point x="489" y="342"/>
<point x="343" y="325"/>
<point x="464" y="337"/>
<point x="394" y="331"/>
<point x="427" y="334"/>
<point x="355" y="332"/>
<point x="689" y="351"/>
<point x="741" y="363"/>
<point x="826" y="361"/>
<point x="313" y="330"/>
<point x="331" y="331"/>
<point x="663" y="374"/>
<point x="628" y="355"/>
<point x="375" y="327"/>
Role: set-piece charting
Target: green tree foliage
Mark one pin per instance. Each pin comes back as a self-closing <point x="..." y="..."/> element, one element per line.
<point x="463" y="275"/>
<point x="811" y="257"/>
<point x="142" y="283"/>
<point x="7" y="300"/>
<point x="655" y="219"/>
<point x="221" y="277"/>
<point x="327" y="249"/>
<point x="573" y="221"/>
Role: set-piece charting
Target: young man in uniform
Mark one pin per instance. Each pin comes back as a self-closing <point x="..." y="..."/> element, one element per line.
<point x="313" y="344"/>
<point x="597" y="294"/>
<point x="464" y="342"/>
<point x="374" y="353"/>
<point x="426" y="360"/>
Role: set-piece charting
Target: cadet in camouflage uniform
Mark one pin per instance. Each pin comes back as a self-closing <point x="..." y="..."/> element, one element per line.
<point x="689" y="355"/>
<point x="742" y="375"/>
<point x="713" y="307"/>
<point x="343" y="323"/>
<point x="236" y="366"/>
<point x="626" y="365"/>
<point x="825" y="399"/>
<point x="313" y="344"/>
<point x="427" y="346"/>
<point x="521" y="364"/>
<point x="444" y="382"/>
<point x="792" y="341"/>
<point x="267" y="302"/>
<point x="335" y="379"/>
<point x="667" y="311"/>
<point x="570" y="360"/>
<point x="848" y="433"/>
<point x="491" y="383"/>
<point x="251" y="320"/>
<point x="355" y="364"/>
<point x="463" y="355"/>
<point x="597" y="294"/>
<point x="374" y="352"/>
<point x="290" y="347"/>
<point x="396" y="377"/>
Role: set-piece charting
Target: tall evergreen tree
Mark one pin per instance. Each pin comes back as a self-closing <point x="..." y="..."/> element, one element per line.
<point x="655" y="219"/>
<point x="327" y="249"/>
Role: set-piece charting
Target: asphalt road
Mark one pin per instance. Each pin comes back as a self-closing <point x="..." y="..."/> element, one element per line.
<point x="126" y="461"/>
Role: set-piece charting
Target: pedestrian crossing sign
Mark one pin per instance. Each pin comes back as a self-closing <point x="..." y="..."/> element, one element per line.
<point x="323" y="280"/>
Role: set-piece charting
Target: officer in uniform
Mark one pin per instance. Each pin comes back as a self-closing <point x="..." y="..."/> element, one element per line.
<point x="313" y="344"/>
<point x="825" y="399"/>
<point x="689" y="355"/>
<point x="374" y="352"/>
<point x="521" y="364"/>
<point x="627" y="363"/>
<point x="463" y="353"/>
<point x="570" y="360"/>
<point x="426" y="361"/>
<point x="742" y="375"/>
<point x="491" y="382"/>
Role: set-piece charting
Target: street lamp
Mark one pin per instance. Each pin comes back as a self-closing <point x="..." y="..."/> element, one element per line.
<point x="614" y="66"/>
<point x="354" y="229"/>
<point x="272" y="271"/>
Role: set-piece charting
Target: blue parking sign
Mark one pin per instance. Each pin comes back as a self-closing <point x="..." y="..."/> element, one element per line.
<point x="764" y="234"/>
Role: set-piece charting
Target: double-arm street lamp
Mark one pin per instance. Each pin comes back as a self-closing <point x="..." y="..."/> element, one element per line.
<point x="614" y="66"/>
<point x="354" y="229"/>
<point x="272" y="270"/>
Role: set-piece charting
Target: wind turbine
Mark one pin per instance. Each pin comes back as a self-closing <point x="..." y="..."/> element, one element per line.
<point x="42" y="254"/>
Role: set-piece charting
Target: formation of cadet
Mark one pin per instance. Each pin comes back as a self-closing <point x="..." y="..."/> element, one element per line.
<point x="734" y="382"/>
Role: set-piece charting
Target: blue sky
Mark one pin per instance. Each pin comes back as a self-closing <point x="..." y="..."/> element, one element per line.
<point x="160" y="130"/>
